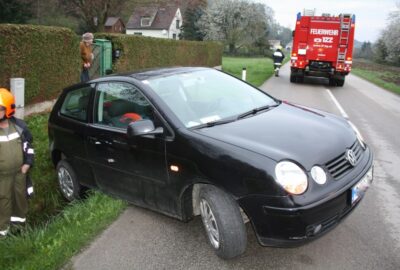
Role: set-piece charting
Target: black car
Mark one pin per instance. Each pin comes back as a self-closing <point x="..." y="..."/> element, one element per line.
<point x="196" y="141"/>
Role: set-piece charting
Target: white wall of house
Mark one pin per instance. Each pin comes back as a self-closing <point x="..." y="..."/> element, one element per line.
<point x="148" y="33"/>
<point x="174" y="28"/>
<point x="161" y="33"/>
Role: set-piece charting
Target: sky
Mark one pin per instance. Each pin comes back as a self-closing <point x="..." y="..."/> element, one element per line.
<point x="371" y="15"/>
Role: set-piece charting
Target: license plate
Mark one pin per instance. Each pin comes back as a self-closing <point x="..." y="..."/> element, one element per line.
<point x="356" y="194"/>
<point x="360" y="188"/>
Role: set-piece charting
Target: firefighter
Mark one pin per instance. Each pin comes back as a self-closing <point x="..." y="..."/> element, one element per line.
<point x="278" y="57"/>
<point x="16" y="158"/>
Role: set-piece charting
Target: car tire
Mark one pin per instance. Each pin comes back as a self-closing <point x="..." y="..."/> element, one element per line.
<point x="222" y="222"/>
<point x="68" y="181"/>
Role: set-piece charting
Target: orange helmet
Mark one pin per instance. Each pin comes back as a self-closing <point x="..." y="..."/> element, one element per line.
<point x="7" y="101"/>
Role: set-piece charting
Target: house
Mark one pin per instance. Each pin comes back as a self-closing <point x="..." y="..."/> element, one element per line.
<point x="160" y="22"/>
<point x="114" y="25"/>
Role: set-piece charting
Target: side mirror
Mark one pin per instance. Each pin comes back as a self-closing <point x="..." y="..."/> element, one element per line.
<point x="143" y="127"/>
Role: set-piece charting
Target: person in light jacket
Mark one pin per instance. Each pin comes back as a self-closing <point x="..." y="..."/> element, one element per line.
<point x="86" y="55"/>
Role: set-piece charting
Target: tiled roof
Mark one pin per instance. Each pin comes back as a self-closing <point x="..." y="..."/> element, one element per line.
<point x="111" y="21"/>
<point x="161" y="17"/>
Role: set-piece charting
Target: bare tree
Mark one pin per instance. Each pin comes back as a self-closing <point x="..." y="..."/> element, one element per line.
<point x="94" y="13"/>
<point x="391" y="36"/>
<point x="237" y="23"/>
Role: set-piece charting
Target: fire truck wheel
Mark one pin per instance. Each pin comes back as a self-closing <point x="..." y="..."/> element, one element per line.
<point x="332" y="82"/>
<point x="300" y="79"/>
<point x="340" y="82"/>
<point x="292" y="78"/>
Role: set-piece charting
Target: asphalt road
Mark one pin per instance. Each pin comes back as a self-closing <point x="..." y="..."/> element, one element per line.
<point x="368" y="239"/>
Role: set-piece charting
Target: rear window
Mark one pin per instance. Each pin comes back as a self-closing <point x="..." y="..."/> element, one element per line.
<point x="75" y="104"/>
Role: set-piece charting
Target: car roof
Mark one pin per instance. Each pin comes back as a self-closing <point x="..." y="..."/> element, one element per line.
<point x="147" y="74"/>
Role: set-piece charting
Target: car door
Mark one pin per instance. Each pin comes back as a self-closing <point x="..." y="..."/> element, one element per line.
<point x="134" y="169"/>
<point x="68" y="130"/>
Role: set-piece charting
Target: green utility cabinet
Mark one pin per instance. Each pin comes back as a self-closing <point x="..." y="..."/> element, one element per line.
<point x="105" y="55"/>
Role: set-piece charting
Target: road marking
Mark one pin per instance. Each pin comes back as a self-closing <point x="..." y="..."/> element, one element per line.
<point x="344" y="114"/>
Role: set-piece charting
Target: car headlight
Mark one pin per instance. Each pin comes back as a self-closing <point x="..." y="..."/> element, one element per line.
<point x="318" y="174"/>
<point x="291" y="177"/>
<point x="358" y="134"/>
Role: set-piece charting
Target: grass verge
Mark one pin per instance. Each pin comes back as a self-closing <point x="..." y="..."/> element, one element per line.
<point x="381" y="75"/>
<point x="258" y="69"/>
<point x="55" y="230"/>
<point x="49" y="246"/>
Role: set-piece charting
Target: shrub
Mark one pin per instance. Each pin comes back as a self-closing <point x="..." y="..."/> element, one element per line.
<point x="138" y="52"/>
<point x="47" y="57"/>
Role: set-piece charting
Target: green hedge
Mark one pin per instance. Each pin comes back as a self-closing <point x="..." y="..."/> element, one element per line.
<point x="47" y="57"/>
<point x="49" y="60"/>
<point x="138" y="52"/>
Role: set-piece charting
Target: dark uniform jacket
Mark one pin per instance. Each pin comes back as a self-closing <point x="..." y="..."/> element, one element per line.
<point x="278" y="56"/>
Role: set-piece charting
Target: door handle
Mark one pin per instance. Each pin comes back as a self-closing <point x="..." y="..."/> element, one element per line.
<point x="93" y="140"/>
<point x="97" y="141"/>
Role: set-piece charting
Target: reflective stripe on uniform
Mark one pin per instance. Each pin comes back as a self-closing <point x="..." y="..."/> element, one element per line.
<point x="17" y="219"/>
<point x="278" y="54"/>
<point x="31" y="151"/>
<point x="4" y="233"/>
<point x="29" y="190"/>
<point x="10" y="137"/>
<point x="25" y="146"/>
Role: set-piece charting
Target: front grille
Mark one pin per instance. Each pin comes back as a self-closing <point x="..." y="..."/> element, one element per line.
<point x="339" y="166"/>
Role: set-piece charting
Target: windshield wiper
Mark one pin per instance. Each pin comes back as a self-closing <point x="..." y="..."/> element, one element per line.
<point x="215" y="123"/>
<point x="255" y="111"/>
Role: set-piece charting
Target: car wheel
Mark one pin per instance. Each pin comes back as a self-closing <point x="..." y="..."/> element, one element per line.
<point x="222" y="222"/>
<point x="68" y="182"/>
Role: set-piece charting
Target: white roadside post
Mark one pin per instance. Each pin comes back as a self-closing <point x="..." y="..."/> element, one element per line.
<point x="244" y="74"/>
<point x="17" y="86"/>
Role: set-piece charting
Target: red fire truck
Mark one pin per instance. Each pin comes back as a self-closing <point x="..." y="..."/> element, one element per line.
<point x="322" y="47"/>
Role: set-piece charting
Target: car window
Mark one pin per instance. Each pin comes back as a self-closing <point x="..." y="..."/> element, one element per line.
<point x="119" y="104"/>
<point x="75" y="104"/>
<point x="207" y="95"/>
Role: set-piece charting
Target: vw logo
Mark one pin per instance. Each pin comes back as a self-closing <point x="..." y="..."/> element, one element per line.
<point x="351" y="157"/>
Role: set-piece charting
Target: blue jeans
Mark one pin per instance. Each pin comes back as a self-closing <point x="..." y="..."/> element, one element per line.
<point x="85" y="75"/>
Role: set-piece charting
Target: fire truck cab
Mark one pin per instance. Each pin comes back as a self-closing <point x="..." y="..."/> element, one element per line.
<point x="322" y="47"/>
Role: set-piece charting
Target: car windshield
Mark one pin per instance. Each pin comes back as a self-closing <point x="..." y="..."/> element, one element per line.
<point x="208" y="96"/>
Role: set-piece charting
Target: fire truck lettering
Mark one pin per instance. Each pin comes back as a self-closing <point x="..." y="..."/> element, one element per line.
<point x="327" y="39"/>
<point x="328" y="32"/>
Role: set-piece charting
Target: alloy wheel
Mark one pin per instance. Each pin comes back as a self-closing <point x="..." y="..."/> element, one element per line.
<point x="210" y="223"/>
<point x="66" y="183"/>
